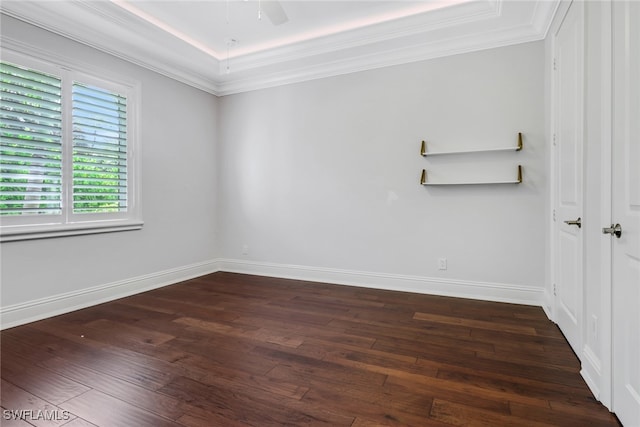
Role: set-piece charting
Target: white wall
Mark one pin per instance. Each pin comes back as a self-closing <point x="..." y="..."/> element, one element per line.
<point x="320" y="179"/>
<point x="178" y="130"/>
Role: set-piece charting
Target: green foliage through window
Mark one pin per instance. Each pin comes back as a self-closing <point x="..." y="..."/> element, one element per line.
<point x="33" y="141"/>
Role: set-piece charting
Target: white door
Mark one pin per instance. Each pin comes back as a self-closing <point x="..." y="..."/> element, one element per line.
<point x="568" y="131"/>
<point x="626" y="212"/>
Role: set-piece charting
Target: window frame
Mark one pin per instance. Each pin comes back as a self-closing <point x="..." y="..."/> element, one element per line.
<point x="68" y="223"/>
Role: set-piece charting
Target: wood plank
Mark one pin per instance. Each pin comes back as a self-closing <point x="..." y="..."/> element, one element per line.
<point x="378" y="407"/>
<point x="250" y="409"/>
<point x="558" y="416"/>
<point x="386" y="422"/>
<point x="145" y="399"/>
<point x="515" y="385"/>
<point x="324" y="332"/>
<point x="380" y="365"/>
<point x="79" y="422"/>
<point x="232" y="378"/>
<point x="477" y="324"/>
<point x="452" y="394"/>
<point x="458" y="415"/>
<point x="305" y="366"/>
<point x="104" y="410"/>
<point x="31" y="409"/>
<point x="125" y="333"/>
<point x="210" y="353"/>
<point x="40" y="382"/>
<point x="405" y="330"/>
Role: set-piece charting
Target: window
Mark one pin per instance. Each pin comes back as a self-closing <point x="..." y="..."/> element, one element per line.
<point x="67" y="151"/>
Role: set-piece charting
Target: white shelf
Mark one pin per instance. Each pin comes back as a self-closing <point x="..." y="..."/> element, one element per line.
<point x="469" y="183"/>
<point x="423" y="180"/>
<point x="423" y="149"/>
<point x="485" y="150"/>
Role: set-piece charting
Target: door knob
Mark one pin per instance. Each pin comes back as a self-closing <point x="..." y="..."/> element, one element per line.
<point x="613" y="230"/>
<point x="577" y="222"/>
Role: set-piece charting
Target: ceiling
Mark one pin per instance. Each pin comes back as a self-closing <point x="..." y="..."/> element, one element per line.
<point x="223" y="47"/>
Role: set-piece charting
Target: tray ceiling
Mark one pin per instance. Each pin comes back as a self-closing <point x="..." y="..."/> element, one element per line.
<point x="223" y="47"/>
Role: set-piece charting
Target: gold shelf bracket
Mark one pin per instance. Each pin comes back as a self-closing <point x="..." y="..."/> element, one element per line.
<point x="423" y="177"/>
<point x="519" y="174"/>
<point x="520" y="145"/>
<point x="423" y="148"/>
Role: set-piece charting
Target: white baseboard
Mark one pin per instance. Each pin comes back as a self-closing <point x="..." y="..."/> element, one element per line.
<point x="499" y="292"/>
<point x="547" y="304"/>
<point x="42" y="308"/>
<point x="591" y="367"/>
<point x="30" y="311"/>
<point x="595" y="390"/>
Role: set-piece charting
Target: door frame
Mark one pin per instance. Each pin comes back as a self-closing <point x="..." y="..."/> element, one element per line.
<point x="550" y="293"/>
<point x="556" y="221"/>
<point x="597" y="373"/>
<point x="606" y="204"/>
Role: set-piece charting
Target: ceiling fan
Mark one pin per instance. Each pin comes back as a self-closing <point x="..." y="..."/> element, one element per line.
<point x="274" y="11"/>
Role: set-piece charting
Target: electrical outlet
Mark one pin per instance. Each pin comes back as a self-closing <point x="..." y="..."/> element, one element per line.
<point x="245" y="249"/>
<point x="442" y="263"/>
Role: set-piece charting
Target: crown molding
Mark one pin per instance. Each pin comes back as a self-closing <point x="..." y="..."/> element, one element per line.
<point x="114" y="31"/>
<point x="398" y="56"/>
<point x="412" y="26"/>
<point x="543" y="16"/>
<point x="463" y="28"/>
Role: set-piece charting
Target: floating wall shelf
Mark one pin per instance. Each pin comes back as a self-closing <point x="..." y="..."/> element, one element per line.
<point x="423" y="180"/>
<point x="423" y="149"/>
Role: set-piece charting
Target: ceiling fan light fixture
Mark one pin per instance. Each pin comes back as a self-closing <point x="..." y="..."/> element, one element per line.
<point x="230" y="42"/>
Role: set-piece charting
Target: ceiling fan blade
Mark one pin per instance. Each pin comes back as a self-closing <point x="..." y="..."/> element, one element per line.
<point x="273" y="9"/>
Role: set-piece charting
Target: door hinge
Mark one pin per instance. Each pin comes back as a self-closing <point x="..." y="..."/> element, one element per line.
<point x="554" y="290"/>
<point x="554" y="215"/>
<point x="554" y="139"/>
<point x="555" y="67"/>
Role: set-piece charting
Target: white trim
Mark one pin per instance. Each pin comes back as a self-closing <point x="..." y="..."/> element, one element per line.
<point x="606" y="203"/>
<point x="499" y="292"/>
<point x="43" y="231"/>
<point x="560" y="14"/>
<point x="591" y="371"/>
<point x="42" y="308"/>
<point x="30" y="52"/>
<point x="596" y="371"/>
<point x="543" y="16"/>
<point x="548" y="304"/>
<point x="306" y="70"/>
<point x="409" y="29"/>
<point x="591" y="384"/>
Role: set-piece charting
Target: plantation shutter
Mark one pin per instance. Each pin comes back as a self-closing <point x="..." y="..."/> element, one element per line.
<point x="30" y="142"/>
<point x="99" y="150"/>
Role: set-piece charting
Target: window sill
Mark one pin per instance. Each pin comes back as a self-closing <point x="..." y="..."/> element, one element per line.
<point x="13" y="234"/>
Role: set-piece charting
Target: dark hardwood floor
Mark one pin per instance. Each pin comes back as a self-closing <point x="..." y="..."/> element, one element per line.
<point x="236" y="350"/>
